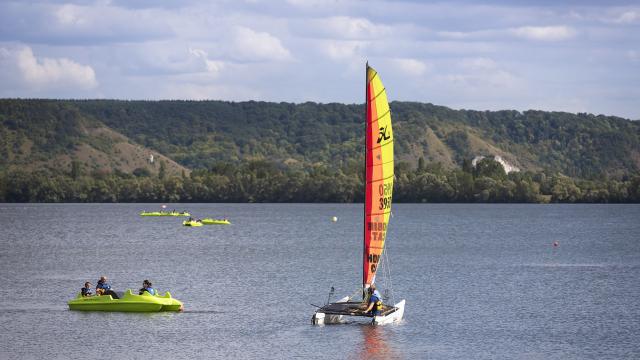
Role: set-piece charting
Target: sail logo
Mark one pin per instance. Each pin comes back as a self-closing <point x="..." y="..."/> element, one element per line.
<point x="383" y="134"/>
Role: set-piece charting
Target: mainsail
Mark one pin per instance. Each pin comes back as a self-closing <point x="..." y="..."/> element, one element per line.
<point x="379" y="175"/>
<point x="377" y="210"/>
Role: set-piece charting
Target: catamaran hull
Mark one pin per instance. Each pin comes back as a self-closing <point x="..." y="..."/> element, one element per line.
<point x="391" y="318"/>
<point x="320" y="318"/>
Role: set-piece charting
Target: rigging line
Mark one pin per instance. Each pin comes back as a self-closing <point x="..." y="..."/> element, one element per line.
<point x="384" y="264"/>
<point x="388" y="270"/>
<point x="358" y="291"/>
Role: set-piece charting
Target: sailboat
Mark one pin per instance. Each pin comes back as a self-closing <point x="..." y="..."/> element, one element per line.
<point x="377" y="209"/>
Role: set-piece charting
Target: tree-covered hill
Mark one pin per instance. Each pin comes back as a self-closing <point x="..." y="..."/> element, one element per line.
<point x="98" y="150"/>
<point x="199" y="133"/>
<point x="54" y="135"/>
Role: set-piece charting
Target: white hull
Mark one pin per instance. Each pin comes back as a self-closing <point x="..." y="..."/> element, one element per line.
<point x="391" y="318"/>
<point x="320" y="318"/>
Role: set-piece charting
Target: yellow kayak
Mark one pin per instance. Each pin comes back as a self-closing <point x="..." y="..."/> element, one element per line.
<point x="192" y="223"/>
<point x="216" y="221"/>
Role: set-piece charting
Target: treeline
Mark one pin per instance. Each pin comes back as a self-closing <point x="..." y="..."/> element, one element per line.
<point x="261" y="181"/>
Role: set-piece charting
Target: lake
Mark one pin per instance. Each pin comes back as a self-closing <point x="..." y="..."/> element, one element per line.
<point x="481" y="281"/>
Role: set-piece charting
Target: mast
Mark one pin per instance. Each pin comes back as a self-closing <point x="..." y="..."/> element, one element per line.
<point x="364" y="201"/>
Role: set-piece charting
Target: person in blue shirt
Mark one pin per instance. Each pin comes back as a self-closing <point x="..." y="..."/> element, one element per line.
<point x="376" y="293"/>
<point x="104" y="288"/>
<point x="86" y="290"/>
<point x="146" y="286"/>
<point x="102" y="285"/>
<point x="375" y="302"/>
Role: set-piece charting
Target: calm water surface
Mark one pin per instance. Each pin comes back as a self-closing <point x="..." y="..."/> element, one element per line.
<point x="481" y="281"/>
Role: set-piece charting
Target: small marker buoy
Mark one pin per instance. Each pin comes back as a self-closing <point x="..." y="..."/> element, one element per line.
<point x="334" y="219"/>
<point x="556" y="244"/>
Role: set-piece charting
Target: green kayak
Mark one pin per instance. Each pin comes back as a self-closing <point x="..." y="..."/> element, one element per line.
<point x="129" y="302"/>
<point x="164" y="213"/>
<point x="216" y="222"/>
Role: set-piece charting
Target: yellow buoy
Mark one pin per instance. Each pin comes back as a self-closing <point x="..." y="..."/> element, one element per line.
<point x="334" y="219"/>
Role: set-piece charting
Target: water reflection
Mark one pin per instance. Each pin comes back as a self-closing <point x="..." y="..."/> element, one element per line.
<point x="375" y="344"/>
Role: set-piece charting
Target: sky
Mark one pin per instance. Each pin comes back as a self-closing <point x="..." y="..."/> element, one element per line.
<point x="574" y="56"/>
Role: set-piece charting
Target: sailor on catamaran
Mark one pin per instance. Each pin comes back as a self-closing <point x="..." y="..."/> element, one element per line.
<point x="375" y="302"/>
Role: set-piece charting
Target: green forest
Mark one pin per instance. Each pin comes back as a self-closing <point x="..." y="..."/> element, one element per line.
<point x="215" y="151"/>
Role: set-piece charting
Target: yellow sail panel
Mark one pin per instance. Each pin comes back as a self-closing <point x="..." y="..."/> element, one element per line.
<point x="379" y="174"/>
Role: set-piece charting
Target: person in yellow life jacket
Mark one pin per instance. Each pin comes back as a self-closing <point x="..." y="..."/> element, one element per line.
<point x="375" y="302"/>
<point x="104" y="288"/>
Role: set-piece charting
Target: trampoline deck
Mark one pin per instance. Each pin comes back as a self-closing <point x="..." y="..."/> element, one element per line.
<point x="353" y="309"/>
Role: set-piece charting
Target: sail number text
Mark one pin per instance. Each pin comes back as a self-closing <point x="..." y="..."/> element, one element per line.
<point x="385" y="191"/>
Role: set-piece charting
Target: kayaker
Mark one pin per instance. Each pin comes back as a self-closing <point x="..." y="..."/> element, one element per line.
<point x="146" y="286"/>
<point x="375" y="303"/>
<point x="103" y="288"/>
<point x="86" y="290"/>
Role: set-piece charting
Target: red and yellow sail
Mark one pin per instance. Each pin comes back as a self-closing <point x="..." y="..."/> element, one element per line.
<point x="379" y="174"/>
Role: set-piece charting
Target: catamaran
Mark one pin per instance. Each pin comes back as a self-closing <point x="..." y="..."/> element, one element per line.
<point x="377" y="209"/>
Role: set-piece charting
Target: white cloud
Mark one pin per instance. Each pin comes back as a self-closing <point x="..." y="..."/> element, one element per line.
<point x="70" y="15"/>
<point x="311" y="3"/>
<point x="193" y="91"/>
<point x="344" y="50"/>
<point x="211" y="66"/>
<point x="479" y="63"/>
<point x="627" y="17"/>
<point x="100" y="22"/>
<point x="469" y="35"/>
<point x="250" y="45"/>
<point x="481" y="75"/>
<point x="354" y="28"/>
<point x="39" y="73"/>
<point x="544" y="33"/>
<point x="345" y="28"/>
<point x="410" y="67"/>
<point x="490" y="54"/>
